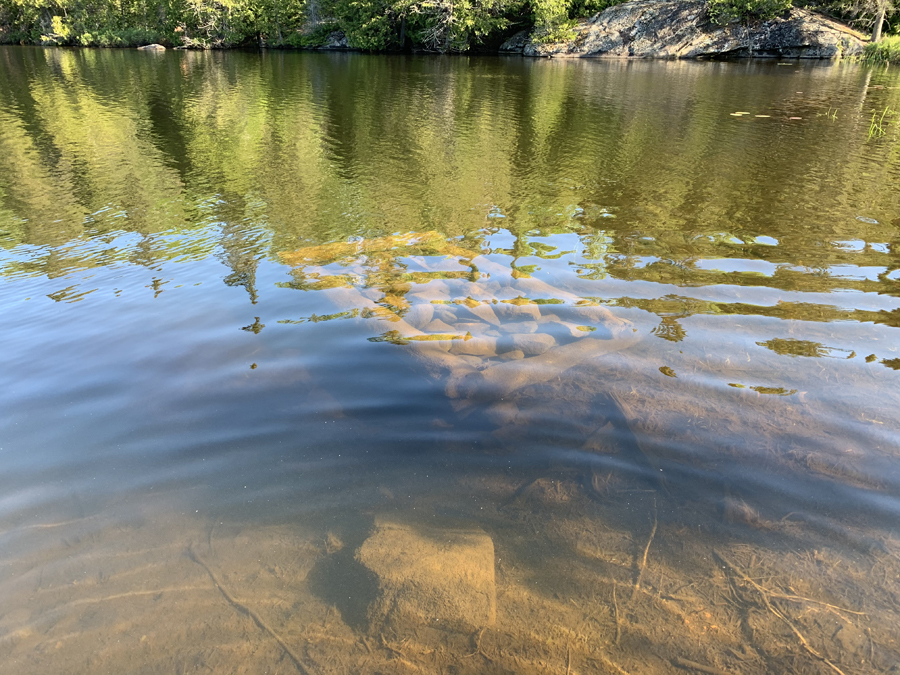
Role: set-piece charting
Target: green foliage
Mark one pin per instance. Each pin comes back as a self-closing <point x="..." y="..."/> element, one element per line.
<point x="554" y="20"/>
<point x="431" y="25"/>
<point x="434" y="25"/>
<point x="551" y="20"/>
<point x="85" y="22"/>
<point x="556" y="32"/>
<point x="310" y="39"/>
<point x="580" y="8"/>
<point x="727" y="11"/>
<point x="368" y="24"/>
<point x="887" y="50"/>
<point x="857" y="13"/>
<point x="126" y="23"/>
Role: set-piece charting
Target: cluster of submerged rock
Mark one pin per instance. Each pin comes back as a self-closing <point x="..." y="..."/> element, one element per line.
<point x="489" y="333"/>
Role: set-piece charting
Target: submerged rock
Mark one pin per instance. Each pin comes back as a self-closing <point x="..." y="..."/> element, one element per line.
<point x="517" y="312"/>
<point x="440" y="577"/>
<point x="420" y="315"/>
<point x="531" y="345"/>
<point x="479" y="346"/>
<point x="678" y="29"/>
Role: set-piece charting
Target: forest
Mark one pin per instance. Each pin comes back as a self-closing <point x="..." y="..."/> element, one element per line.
<point x="439" y="26"/>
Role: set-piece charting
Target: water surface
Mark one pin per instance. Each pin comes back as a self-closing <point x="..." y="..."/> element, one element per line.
<point x="257" y="305"/>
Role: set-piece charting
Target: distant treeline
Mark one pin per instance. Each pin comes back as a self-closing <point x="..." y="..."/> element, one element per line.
<point x="438" y="25"/>
<point x="432" y="25"/>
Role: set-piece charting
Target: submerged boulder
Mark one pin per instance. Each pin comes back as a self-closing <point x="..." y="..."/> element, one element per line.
<point x="680" y="29"/>
<point x="430" y="575"/>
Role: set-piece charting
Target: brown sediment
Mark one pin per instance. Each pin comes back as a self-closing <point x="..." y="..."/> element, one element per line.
<point x="560" y="563"/>
<point x="699" y="667"/>
<point x="765" y="595"/>
<point x="243" y="609"/>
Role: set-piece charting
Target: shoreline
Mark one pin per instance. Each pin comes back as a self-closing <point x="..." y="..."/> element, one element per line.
<point x="726" y="58"/>
<point x="638" y="29"/>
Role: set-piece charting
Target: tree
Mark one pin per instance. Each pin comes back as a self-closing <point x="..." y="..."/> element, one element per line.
<point x="879" y="20"/>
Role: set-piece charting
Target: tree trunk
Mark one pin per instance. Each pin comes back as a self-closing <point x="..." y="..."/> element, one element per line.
<point x="879" y="20"/>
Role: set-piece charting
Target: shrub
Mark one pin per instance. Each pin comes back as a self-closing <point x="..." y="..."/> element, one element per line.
<point x="887" y="50"/>
<point x="728" y="11"/>
<point x="582" y="8"/>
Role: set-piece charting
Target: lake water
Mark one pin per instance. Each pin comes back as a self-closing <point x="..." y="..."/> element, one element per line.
<point x="338" y="363"/>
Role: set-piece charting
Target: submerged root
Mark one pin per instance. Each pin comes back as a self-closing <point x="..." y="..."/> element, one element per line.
<point x="765" y="595"/>
<point x="643" y="564"/>
<point x="243" y="609"/>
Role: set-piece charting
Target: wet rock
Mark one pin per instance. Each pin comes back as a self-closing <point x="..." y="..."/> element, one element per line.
<point x="420" y="315"/>
<point x="520" y="327"/>
<point x="444" y="315"/>
<point x="677" y="29"/>
<point x="497" y="381"/>
<point x="438" y="326"/>
<point x="516" y="43"/>
<point x="532" y="345"/>
<point x="152" y="48"/>
<point x="429" y="293"/>
<point x="469" y="360"/>
<point x="473" y="328"/>
<point x="478" y="346"/>
<point x="430" y="575"/>
<point x="509" y="312"/>
<point x="483" y="313"/>
<point x="591" y="314"/>
<point x="514" y="355"/>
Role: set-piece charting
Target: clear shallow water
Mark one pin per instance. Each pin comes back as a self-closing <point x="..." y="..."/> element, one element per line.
<point x="255" y="304"/>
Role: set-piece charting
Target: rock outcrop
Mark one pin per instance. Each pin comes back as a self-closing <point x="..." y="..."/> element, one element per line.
<point x="680" y="29"/>
<point x="336" y="41"/>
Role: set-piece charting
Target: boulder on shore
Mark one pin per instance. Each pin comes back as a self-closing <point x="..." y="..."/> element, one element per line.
<point x="430" y="575"/>
<point x="680" y="29"/>
<point x="335" y="41"/>
<point x="152" y="48"/>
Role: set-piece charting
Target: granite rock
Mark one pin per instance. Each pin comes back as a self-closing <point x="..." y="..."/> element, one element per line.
<point x="680" y="29"/>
